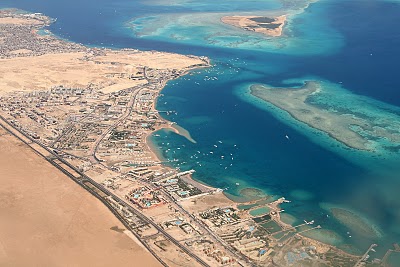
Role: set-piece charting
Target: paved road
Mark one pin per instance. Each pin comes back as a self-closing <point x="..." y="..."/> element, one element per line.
<point x="85" y="178"/>
<point x="216" y="238"/>
<point x="128" y="111"/>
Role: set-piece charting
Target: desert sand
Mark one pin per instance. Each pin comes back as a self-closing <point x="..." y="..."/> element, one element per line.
<point x="207" y="202"/>
<point x="48" y="220"/>
<point x="19" y="21"/>
<point x="111" y="71"/>
<point x="29" y="61"/>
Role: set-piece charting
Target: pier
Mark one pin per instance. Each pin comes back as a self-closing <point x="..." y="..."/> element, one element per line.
<point x="365" y="256"/>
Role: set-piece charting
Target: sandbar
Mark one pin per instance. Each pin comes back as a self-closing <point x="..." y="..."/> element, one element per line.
<point x="183" y="132"/>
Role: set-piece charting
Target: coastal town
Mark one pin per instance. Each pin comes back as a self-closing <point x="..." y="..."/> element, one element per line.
<point x="96" y="130"/>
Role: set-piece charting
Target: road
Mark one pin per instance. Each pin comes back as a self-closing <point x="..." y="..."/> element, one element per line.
<point x="207" y="230"/>
<point x="68" y="128"/>
<point x="84" y="178"/>
<point x="128" y="111"/>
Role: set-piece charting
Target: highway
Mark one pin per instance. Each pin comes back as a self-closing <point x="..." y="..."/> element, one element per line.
<point x="84" y="178"/>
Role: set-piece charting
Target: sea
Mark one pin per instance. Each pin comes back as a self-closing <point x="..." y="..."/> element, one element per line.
<point x="241" y="144"/>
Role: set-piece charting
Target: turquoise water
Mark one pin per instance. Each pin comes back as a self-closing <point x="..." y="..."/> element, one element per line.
<point x="210" y="32"/>
<point x="358" y="63"/>
<point x="259" y="211"/>
<point x="246" y="207"/>
<point x="394" y="259"/>
<point x="313" y="167"/>
<point x="382" y="134"/>
<point x="272" y="227"/>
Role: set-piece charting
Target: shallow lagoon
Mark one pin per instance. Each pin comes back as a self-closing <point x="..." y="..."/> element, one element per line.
<point x="259" y="211"/>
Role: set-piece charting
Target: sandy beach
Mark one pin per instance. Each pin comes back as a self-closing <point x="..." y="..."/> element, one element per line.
<point x="80" y="69"/>
<point x="110" y="97"/>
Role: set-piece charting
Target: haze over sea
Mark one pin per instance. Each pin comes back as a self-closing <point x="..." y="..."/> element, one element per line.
<point x="350" y="46"/>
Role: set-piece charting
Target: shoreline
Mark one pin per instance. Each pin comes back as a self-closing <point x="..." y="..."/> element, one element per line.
<point x="168" y="125"/>
<point x="274" y="205"/>
<point x="154" y="65"/>
<point x="173" y="127"/>
<point x="269" y="26"/>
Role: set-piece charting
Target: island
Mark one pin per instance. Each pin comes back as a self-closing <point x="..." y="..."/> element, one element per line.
<point x="265" y="25"/>
<point x="77" y="167"/>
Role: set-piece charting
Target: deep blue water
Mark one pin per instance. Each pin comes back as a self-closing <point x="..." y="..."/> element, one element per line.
<point x="369" y="27"/>
<point x="364" y="58"/>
